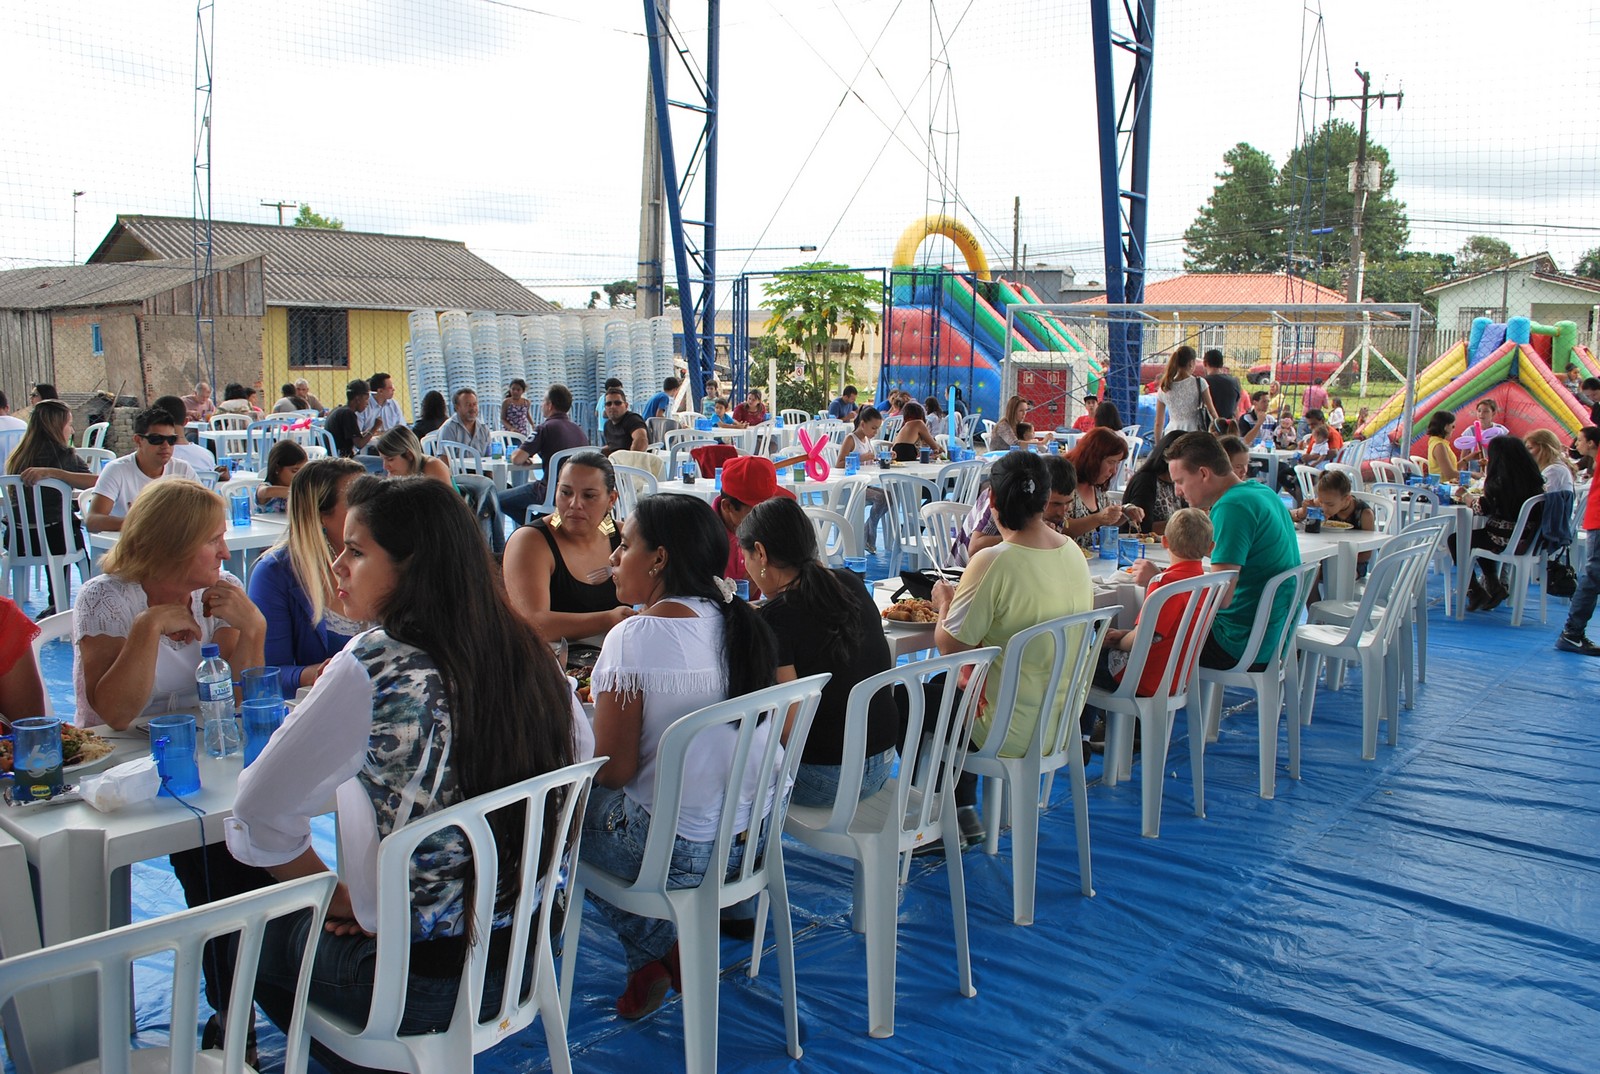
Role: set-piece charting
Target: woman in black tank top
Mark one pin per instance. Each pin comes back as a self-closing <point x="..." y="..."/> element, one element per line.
<point x="557" y="570"/>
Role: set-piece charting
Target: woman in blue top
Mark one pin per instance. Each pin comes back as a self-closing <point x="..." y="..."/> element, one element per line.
<point x="293" y="584"/>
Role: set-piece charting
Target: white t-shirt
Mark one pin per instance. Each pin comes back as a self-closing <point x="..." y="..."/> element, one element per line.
<point x="677" y="664"/>
<point x="318" y="751"/>
<point x="9" y="422"/>
<point x="122" y="480"/>
<point x="1557" y="478"/>
<point x="1185" y="412"/>
<point x="199" y="459"/>
<point x="106" y="607"/>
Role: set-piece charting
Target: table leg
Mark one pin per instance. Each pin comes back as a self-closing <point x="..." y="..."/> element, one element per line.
<point x="19" y="934"/>
<point x="70" y="907"/>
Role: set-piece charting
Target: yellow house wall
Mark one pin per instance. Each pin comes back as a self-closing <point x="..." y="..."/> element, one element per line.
<point x="377" y="345"/>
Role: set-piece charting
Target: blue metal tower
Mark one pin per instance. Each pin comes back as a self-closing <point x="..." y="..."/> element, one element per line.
<point x="697" y="288"/>
<point x="1124" y="129"/>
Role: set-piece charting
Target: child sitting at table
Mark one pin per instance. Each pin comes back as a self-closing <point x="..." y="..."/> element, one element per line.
<point x="1287" y="435"/>
<point x="283" y="462"/>
<point x="1338" y="504"/>
<point x="720" y="415"/>
<point x="1025" y="437"/>
<point x="1317" y="450"/>
<point x="1188" y="541"/>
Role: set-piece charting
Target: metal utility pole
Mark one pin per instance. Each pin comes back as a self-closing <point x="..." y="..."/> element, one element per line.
<point x="1361" y="185"/>
<point x="280" y="206"/>
<point x="76" y="194"/>
<point x="205" y="336"/>
<point x="1016" y="230"/>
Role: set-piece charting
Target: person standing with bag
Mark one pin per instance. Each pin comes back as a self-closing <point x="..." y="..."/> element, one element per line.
<point x="1573" y="638"/>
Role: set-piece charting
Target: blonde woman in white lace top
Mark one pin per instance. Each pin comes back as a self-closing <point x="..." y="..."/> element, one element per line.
<point x="138" y="627"/>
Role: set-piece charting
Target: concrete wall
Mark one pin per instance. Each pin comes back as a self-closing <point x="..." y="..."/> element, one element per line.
<point x="79" y="368"/>
<point x="168" y="346"/>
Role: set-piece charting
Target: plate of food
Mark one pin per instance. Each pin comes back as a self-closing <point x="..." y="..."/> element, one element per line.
<point x="911" y="612"/>
<point x="81" y="751"/>
<point x="1334" y="524"/>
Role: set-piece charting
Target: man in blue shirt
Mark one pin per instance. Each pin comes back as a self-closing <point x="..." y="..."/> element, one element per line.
<point x="556" y="433"/>
<point x="844" y="407"/>
<point x="660" y="404"/>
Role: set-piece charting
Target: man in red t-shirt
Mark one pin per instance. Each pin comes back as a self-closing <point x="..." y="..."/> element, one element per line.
<point x="1085" y="420"/>
<point x="1573" y="639"/>
<point x="752" y="411"/>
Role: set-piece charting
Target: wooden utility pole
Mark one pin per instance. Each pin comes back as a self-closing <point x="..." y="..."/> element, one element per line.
<point x="280" y="206"/>
<point x="1360" y="187"/>
<point x="1016" y="231"/>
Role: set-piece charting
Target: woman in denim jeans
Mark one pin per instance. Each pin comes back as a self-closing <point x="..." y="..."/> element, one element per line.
<point x="692" y="645"/>
<point x="824" y="621"/>
<point x="411" y="717"/>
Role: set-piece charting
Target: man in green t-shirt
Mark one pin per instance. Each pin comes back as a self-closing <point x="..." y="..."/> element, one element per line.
<point x="1254" y="535"/>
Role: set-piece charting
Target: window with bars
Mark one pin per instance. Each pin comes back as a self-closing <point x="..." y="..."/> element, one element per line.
<point x="1212" y="337"/>
<point x="319" y="337"/>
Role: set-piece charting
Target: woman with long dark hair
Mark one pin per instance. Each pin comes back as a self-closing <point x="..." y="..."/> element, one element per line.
<point x="414" y="715"/>
<point x="1182" y="398"/>
<point x="434" y="414"/>
<point x="1511" y="477"/>
<point x="693" y="644"/>
<point x="1151" y="490"/>
<point x="824" y="620"/>
<point x="914" y="435"/>
<point x="45" y="451"/>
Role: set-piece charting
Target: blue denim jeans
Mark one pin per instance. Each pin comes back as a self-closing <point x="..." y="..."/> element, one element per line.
<point x="1583" y="598"/>
<point x="614" y="832"/>
<point x="818" y="784"/>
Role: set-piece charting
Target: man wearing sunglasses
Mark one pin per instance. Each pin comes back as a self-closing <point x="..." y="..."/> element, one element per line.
<point x="155" y="439"/>
<point x="623" y="429"/>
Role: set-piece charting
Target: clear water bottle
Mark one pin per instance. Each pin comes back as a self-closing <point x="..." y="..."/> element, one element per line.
<point x="214" y="681"/>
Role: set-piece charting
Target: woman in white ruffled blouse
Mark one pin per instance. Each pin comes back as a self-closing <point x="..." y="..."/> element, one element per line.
<point x="692" y="645"/>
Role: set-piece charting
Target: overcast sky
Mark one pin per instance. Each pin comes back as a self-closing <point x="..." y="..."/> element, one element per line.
<point x="517" y="127"/>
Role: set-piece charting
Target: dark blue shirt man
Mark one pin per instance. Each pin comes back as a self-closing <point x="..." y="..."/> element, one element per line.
<point x="556" y="433"/>
<point x="844" y="407"/>
<point x="659" y="405"/>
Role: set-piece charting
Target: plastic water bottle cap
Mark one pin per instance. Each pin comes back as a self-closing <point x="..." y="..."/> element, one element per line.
<point x="208" y="650"/>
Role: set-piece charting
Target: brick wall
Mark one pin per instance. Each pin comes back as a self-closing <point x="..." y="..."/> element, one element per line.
<point x="169" y="354"/>
<point x="79" y="368"/>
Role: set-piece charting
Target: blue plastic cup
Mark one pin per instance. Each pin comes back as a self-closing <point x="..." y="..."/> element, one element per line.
<point x="741" y="588"/>
<point x="36" y="759"/>
<point x="857" y="565"/>
<point x="718" y="479"/>
<point x="852" y="463"/>
<point x="689" y="471"/>
<point x="1108" y="542"/>
<point x="261" y="683"/>
<point x="1129" y="551"/>
<point x="261" y="717"/>
<point x="172" y="742"/>
<point x="239" y="509"/>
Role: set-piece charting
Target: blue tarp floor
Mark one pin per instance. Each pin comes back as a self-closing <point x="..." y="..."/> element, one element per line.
<point x="1435" y="910"/>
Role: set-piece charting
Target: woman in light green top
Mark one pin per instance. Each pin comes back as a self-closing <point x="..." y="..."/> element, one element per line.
<point x="1033" y="575"/>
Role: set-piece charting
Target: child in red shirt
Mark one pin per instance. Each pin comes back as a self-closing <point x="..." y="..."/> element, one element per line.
<point x="1187" y="541"/>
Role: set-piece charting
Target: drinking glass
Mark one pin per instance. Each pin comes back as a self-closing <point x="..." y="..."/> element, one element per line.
<point x="260" y="717"/>
<point x="259" y="683"/>
<point x="36" y="759"/>
<point x="239" y="509"/>
<point x="172" y="744"/>
<point x="852" y="463"/>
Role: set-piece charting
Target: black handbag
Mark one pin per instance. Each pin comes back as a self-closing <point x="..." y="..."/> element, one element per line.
<point x="920" y="583"/>
<point x="1560" y="580"/>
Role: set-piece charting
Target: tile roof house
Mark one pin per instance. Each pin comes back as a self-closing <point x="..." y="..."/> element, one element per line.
<point x="1529" y="286"/>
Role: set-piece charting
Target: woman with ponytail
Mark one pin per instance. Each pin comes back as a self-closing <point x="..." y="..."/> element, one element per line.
<point x="692" y="644"/>
<point x="823" y="620"/>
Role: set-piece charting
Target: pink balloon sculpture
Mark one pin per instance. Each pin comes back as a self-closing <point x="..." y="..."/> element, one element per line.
<point x="1477" y="436"/>
<point x="817" y="468"/>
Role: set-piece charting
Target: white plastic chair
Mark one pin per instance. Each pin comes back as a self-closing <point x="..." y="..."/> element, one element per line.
<point x="463" y="459"/>
<point x="940" y="520"/>
<point x="430" y="443"/>
<point x="57" y="627"/>
<point x="1352" y="471"/>
<point x="848" y="497"/>
<point x="95" y="435"/>
<point x="1526" y="567"/>
<point x="794" y="417"/>
<point x="509" y="441"/>
<point x="1386" y="471"/>
<point x="560" y="795"/>
<point x="1306" y="477"/>
<point x="1277" y="683"/>
<point x="960" y="481"/>
<point x="95" y="458"/>
<point x="1201" y="598"/>
<point x="641" y="460"/>
<point x="1020" y="786"/>
<point x="917" y="805"/>
<point x="552" y="470"/>
<point x="1383" y="510"/>
<point x="836" y="537"/>
<point x="1368" y="638"/>
<point x="632" y="484"/>
<point x="21" y="556"/>
<point x="695" y="911"/>
<point x="109" y="958"/>
<point x="903" y="521"/>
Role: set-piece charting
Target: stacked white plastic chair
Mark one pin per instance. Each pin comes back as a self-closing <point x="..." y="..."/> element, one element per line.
<point x="461" y="370"/>
<point x="427" y="347"/>
<point x="512" y="366"/>
<point x="486" y="365"/>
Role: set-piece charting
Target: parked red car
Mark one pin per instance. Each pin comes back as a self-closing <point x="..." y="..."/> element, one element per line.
<point x="1301" y="367"/>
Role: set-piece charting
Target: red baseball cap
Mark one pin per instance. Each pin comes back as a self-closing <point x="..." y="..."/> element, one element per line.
<point x="751" y="479"/>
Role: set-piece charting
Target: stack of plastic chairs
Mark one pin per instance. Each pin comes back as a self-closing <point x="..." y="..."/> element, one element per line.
<point x="534" y="367"/>
<point x="460" y="369"/>
<point x="428" y="349"/>
<point x="661" y="338"/>
<point x="619" y="352"/>
<point x="511" y="364"/>
<point x="643" y="382"/>
<point x="572" y="355"/>
<point x="486" y="358"/>
<point x="555" y="355"/>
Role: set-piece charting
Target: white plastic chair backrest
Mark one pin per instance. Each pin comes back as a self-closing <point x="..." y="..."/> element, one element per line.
<point x="95" y="458"/>
<point x="561" y="796"/>
<point x="1350" y="471"/>
<point x="95" y="435"/>
<point x="1296" y="583"/>
<point x="906" y="495"/>
<point x="1388" y="574"/>
<point x="1350" y="453"/>
<point x="430" y="443"/>
<point x="673" y="437"/>
<point x="1131" y="430"/>
<point x="1515" y="541"/>
<point x="1073" y="642"/>
<point x="1418" y="463"/>
<point x="682" y="451"/>
<point x="632" y="484"/>
<point x="794" y="417"/>
<point x="462" y="458"/>
<point x="940" y="520"/>
<point x="924" y="782"/>
<point x="836" y="537"/>
<point x="658" y="427"/>
<point x="1307" y="477"/>
<point x="509" y="441"/>
<point x="773" y="764"/>
<point x="761" y="439"/>
<point x="890" y="426"/>
<point x="57" y="627"/>
<point x="260" y="436"/>
<point x="960" y="481"/>
<point x="230" y="421"/>
<point x="109" y="958"/>
<point x="835" y="431"/>
<point x="1202" y="599"/>
<point x="1383" y="510"/>
<point x="641" y="460"/>
<point x="1386" y="471"/>
<point x="552" y="472"/>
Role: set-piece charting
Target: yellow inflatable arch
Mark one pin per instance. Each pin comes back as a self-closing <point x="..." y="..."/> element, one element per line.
<point x="905" y="251"/>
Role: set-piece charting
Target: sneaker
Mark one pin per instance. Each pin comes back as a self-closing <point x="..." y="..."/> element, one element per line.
<point x="646" y="991"/>
<point x="972" y="832"/>
<point x="1568" y="642"/>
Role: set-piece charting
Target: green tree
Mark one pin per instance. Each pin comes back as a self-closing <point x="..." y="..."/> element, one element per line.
<point x="309" y="218"/>
<point x="1405" y="277"/>
<point x="1589" y="264"/>
<point x="1240" y="229"/>
<point x="792" y="393"/>
<point x="1481" y="253"/>
<point x="1316" y="176"/>
<point x="812" y="303"/>
<point x="623" y="294"/>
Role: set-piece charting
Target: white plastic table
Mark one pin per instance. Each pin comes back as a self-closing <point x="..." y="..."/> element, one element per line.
<point x="79" y="860"/>
<point x="1274" y="459"/>
<point x="19" y="934"/>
